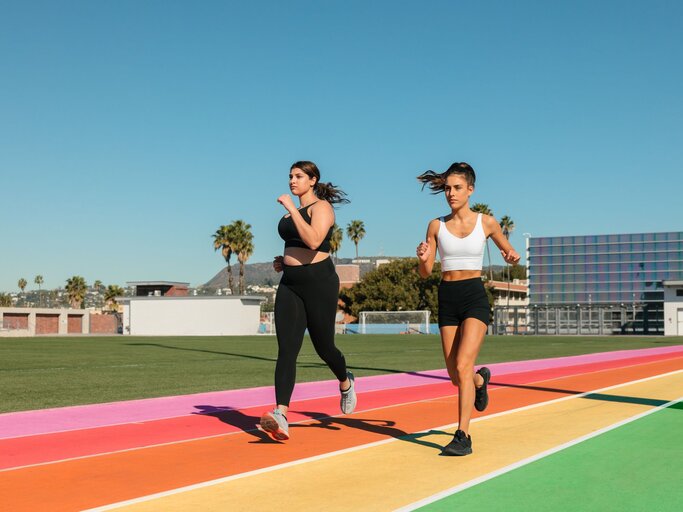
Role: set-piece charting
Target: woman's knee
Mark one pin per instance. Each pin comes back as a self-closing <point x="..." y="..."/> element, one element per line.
<point x="464" y="369"/>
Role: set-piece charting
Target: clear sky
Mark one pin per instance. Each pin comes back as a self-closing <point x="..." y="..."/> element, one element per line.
<point x="131" y="130"/>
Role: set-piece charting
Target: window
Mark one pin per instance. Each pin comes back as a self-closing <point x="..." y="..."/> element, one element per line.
<point x="679" y="293"/>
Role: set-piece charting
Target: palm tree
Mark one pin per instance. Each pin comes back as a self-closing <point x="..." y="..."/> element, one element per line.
<point x="22" y="284"/>
<point x="111" y="293"/>
<point x="485" y="210"/>
<point x="76" y="288"/>
<point x="336" y="240"/>
<point x="508" y="226"/>
<point x="223" y="239"/>
<point x="39" y="280"/>
<point x="243" y="246"/>
<point x="97" y="285"/>
<point x="355" y="230"/>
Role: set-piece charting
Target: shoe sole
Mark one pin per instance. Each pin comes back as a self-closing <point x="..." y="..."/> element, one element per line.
<point x="271" y="427"/>
<point x="456" y="454"/>
<point x="353" y="387"/>
<point x="484" y="386"/>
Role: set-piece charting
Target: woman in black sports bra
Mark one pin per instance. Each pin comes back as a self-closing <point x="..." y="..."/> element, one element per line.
<point x="308" y="291"/>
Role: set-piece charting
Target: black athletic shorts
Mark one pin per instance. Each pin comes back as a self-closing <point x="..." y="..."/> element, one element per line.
<point x="459" y="300"/>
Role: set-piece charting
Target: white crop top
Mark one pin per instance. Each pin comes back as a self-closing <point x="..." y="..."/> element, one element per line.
<point x="461" y="253"/>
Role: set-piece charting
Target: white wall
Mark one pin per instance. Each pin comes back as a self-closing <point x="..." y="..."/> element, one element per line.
<point x="672" y="305"/>
<point x="192" y="316"/>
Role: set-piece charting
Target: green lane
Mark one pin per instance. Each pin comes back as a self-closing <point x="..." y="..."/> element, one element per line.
<point x="636" y="467"/>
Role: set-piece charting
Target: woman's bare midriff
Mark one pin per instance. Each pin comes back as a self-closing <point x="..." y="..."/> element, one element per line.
<point x="296" y="256"/>
<point x="459" y="275"/>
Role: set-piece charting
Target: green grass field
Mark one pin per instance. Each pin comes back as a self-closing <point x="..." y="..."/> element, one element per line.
<point x="42" y="372"/>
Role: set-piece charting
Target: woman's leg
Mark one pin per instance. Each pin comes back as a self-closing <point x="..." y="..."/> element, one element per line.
<point x="450" y="338"/>
<point x="320" y="301"/>
<point x="290" y="324"/>
<point x="472" y="332"/>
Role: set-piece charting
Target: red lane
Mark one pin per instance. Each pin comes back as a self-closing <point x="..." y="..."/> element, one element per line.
<point x="215" y="420"/>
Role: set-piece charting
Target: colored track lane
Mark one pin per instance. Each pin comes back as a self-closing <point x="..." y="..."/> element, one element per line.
<point x="126" y="475"/>
<point x="214" y="420"/>
<point x="83" y="417"/>
<point x="393" y="474"/>
<point x="637" y="466"/>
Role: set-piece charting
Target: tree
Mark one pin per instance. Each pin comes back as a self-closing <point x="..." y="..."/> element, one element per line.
<point x="508" y="226"/>
<point x="242" y="245"/>
<point x="97" y="285"/>
<point x="111" y="293"/>
<point x="395" y="286"/>
<point x="76" y="288"/>
<point x="223" y="239"/>
<point x="22" y="284"/>
<point x="5" y="300"/>
<point x="355" y="230"/>
<point x="485" y="210"/>
<point x="39" y="280"/>
<point x="336" y="240"/>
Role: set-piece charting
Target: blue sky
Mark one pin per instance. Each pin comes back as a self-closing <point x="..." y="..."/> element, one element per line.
<point x="131" y="130"/>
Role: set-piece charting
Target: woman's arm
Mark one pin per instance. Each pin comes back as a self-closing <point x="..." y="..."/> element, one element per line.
<point x="426" y="251"/>
<point x="496" y="233"/>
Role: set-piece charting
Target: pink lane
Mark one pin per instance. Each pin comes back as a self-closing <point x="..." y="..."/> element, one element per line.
<point x="45" y="421"/>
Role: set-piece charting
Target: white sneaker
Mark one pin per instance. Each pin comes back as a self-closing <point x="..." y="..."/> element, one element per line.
<point x="275" y="424"/>
<point x="348" y="398"/>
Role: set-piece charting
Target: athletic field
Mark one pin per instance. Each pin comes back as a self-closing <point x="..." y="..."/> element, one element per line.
<point x="574" y="423"/>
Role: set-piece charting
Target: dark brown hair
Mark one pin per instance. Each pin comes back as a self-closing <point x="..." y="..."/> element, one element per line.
<point x="326" y="191"/>
<point x="437" y="181"/>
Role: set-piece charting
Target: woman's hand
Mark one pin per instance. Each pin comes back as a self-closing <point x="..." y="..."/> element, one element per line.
<point x="277" y="263"/>
<point x="510" y="256"/>
<point x="423" y="251"/>
<point x="286" y="201"/>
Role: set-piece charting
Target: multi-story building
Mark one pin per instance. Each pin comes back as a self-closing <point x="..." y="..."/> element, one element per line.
<point x="602" y="283"/>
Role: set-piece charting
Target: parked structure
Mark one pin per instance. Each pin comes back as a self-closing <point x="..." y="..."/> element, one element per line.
<point x="602" y="284"/>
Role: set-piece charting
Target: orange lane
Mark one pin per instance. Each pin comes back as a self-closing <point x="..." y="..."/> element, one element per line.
<point x="215" y="420"/>
<point x="96" y="481"/>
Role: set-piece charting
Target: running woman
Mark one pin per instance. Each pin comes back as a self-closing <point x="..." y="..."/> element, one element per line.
<point x="308" y="292"/>
<point x="464" y="310"/>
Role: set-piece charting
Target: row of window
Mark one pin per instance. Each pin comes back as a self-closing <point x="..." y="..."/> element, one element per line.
<point x="560" y="274"/>
<point x="672" y="249"/>
<point x="594" y="288"/>
<point x="594" y="298"/>
<point x="604" y="239"/>
<point x="605" y="277"/>
<point x="655" y="260"/>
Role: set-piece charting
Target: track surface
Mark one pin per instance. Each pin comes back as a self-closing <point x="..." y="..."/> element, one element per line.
<point x="576" y="430"/>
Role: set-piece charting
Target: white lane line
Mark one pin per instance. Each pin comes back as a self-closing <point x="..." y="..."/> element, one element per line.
<point x="453" y="490"/>
<point x="218" y="481"/>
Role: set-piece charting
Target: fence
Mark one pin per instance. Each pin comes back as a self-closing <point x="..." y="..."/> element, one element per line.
<point x="599" y="320"/>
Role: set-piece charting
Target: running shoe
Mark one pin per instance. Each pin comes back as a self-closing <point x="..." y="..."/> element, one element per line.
<point x="461" y="444"/>
<point x="274" y="423"/>
<point x="348" y="397"/>
<point x="481" y="396"/>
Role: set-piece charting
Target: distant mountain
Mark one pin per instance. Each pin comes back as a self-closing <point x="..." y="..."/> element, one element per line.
<point x="263" y="274"/>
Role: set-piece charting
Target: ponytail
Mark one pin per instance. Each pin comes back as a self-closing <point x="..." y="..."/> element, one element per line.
<point x="437" y="181"/>
<point x="330" y="193"/>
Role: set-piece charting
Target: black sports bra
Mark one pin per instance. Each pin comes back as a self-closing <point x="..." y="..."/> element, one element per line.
<point x="290" y="235"/>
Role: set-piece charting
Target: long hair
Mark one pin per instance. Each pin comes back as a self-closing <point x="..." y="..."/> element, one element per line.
<point x="326" y="191"/>
<point x="437" y="181"/>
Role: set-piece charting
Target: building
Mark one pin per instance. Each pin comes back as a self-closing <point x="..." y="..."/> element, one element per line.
<point x="600" y="284"/>
<point x="510" y="305"/>
<point x="159" y="288"/>
<point x="673" y="308"/>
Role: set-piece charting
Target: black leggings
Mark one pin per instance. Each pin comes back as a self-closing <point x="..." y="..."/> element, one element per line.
<point x="306" y="297"/>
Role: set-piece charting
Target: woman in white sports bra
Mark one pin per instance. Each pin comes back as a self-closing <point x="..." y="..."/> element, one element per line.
<point x="464" y="312"/>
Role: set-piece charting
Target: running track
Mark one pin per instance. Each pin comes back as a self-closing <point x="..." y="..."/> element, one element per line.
<point x="592" y="432"/>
